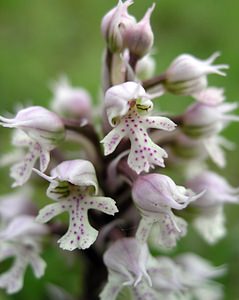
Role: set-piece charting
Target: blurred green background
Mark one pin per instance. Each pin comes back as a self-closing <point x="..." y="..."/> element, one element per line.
<point x="40" y="40"/>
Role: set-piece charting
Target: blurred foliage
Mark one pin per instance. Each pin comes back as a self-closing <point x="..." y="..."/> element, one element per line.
<point x="41" y="40"/>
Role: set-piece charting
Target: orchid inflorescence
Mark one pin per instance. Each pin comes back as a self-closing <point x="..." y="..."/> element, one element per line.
<point x="118" y="172"/>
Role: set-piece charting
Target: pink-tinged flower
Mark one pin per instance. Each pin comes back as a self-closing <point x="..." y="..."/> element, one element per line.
<point x="187" y="75"/>
<point x="126" y="262"/>
<point x="73" y="185"/>
<point x="205" y="121"/>
<point x="155" y="196"/>
<point x="40" y="131"/>
<point x="127" y="106"/>
<point x="145" y="67"/>
<point x="20" y="239"/>
<point x="138" y="37"/>
<point x="210" y="221"/>
<point x="197" y="274"/>
<point x="114" y="24"/>
<point x="73" y="102"/>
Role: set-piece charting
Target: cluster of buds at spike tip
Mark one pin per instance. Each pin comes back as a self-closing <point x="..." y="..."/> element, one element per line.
<point x="128" y="109"/>
<point x="121" y="30"/>
<point x="210" y="219"/>
<point x="74" y="186"/>
<point x="187" y="75"/>
<point x="72" y="102"/>
<point x="155" y="196"/>
<point x="40" y="131"/>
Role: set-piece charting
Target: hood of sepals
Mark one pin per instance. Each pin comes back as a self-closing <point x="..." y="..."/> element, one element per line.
<point x="40" y="124"/>
<point x="72" y="176"/>
<point x="156" y="193"/>
<point x="122" y="98"/>
<point x="217" y="189"/>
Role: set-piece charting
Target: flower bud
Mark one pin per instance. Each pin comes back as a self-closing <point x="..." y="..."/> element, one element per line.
<point x="217" y="189"/>
<point x="139" y="37"/>
<point x="210" y="218"/>
<point x="114" y="23"/>
<point x="201" y="120"/>
<point x="145" y="67"/>
<point x="71" y="102"/>
<point x="155" y="196"/>
<point x="39" y="123"/>
<point x="187" y="75"/>
<point x="126" y="262"/>
<point x="155" y="193"/>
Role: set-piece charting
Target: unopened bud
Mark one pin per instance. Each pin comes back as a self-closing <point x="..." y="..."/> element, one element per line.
<point x="145" y="67"/>
<point x="202" y="120"/>
<point x="114" y="23"/>
<point x="139" y="37"/>
<point x="187" y="75"/>
<point x="71" y="102"/>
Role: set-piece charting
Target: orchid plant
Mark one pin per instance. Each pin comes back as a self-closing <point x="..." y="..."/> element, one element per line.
<point x="119" y="178"/>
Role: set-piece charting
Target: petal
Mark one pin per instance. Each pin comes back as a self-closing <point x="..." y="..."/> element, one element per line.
<point x="215" y="151"/>
<point x="20" y="138"/>
<point x="12" y="280"/>
<point x="80" y="233"/>
<point x="211" y="224"/>
<point x="144" y="229"/>
<point x="21" y="171"/>
<point x="113" y="138"/>
<point x="112" y="288"/>
<point x="144" y="155"/>
<point x="51" y="210"/>
<point x="104" y="204"/>
<point x="44" y="159"/>
<point x="171" y="229"/>
<point x="144" y="292"/>
<point x="159" y="123"/>
<point x="38" y="265"/>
